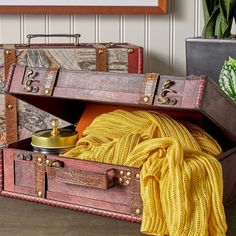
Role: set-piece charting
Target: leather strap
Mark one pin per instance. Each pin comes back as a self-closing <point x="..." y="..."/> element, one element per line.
<point x="10" y="101"/>
<point x="101" y="58"/>
<point x="1" y="171"/>
<point x="148" y="88"/>
<point x="49" y="81"/>
<point x="136" y="200"/>
<point x="8" y="78"/>
<point x="40" y="175"/>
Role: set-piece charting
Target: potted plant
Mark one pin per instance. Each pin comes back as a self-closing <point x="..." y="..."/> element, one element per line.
<point x="227" y="78"/>
<point x="206" y="55"/>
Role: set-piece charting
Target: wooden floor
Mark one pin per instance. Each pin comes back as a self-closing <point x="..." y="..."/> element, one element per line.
<point x="21" y="218"/>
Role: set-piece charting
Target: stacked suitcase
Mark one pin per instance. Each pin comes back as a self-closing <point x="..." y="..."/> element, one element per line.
<point x="18" y="120"/>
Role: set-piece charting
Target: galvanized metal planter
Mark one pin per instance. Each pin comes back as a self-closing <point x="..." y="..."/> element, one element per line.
<point x="207" y="56"/>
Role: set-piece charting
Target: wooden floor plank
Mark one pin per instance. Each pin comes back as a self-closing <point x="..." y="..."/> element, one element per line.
<point x="23" y="218"/>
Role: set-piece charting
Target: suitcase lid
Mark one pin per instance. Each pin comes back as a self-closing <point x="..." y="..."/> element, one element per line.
<point x="64" y="93"/>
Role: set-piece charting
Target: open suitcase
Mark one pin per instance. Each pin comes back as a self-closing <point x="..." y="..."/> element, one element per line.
<point x="84" y="185"/>
<point x="22" y="119"/>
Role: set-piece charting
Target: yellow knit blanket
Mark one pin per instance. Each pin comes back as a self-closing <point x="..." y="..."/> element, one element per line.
<point x="181" y="180"/>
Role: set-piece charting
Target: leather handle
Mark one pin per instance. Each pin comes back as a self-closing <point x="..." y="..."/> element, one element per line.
<point x="75" y="36"/>
<point x="80" y="177"/>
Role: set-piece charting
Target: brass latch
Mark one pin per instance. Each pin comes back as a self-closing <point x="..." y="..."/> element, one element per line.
<point x="30" y="78"/>
<point x="163" y="99"/>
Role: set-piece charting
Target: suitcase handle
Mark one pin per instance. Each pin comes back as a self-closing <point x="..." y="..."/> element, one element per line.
<point x="85" y="178"/>
<point x="75" y="36"/>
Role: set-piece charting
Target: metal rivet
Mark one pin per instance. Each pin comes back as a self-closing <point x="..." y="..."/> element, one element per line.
<point x="121" y="180"/>
<point x="127" y="182"/>
<point x="8" y="52"/>
<point x="128" y="174"/>
<point x="40" y="194"/>
<point x="137" y="176"/>
<point x="47" y="162"/>
<point x="46" y="91"/>
<point x="100" y="51"/>
<point x="146" y="98"/>
<point x="130" y="50"/>
<point x="39" y="160"/>
<point x="20" y="156"/>
<point x="28" y="88"/>
<point x="122" y="173"/>
<point x="10" y="106"/>
<point x="137" y="211"/>
<point x="28" y="157"/>
<point x="56" y="164"/>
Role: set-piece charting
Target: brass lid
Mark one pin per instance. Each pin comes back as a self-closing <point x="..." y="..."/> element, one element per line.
<point x="54" y="138"/>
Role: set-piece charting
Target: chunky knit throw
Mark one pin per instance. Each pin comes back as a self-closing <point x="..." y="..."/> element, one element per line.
<point x="181" y="180"/>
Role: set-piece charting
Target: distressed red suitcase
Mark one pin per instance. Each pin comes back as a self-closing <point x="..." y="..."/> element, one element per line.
<point x="84" y="185"/>
<point x="115" y="57"/>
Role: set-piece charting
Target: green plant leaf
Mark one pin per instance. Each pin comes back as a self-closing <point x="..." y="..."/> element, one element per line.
<point x="218" y="17"/>
<point x="209" y="28"/>
<point x="225" y="8"/>
<point x="218" y="26"/>
<point x="227" y="78"/>
<point x="225" y="18"/>
<point x="232" y="62"/>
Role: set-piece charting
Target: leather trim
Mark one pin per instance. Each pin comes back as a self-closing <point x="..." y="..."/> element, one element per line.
<point x="148" y="88"/>
<point x="201" y="89"/>
<point x="8" y="78"/>
<point x="140" y="61"/>
<point x="133" y="54"/>
<point x="49" y="81"/>
<point x="1" y="170"/>
<point x="40" y="175"/>
<point x="10" y="101"/>
<point x="101" y="58"/>
<point x="11" y="118"/>
<point x="136" y="201"/>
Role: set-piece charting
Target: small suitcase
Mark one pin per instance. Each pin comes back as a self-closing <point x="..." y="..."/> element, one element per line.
<point x="84" y="185"/>
<point x="115" y="57"/>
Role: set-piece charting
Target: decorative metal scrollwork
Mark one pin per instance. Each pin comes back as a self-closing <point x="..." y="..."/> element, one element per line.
<point x="163" y="99"/>
<point x="30" y="78"/>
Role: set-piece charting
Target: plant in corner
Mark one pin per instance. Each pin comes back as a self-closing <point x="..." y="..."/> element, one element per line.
<point x="218" y="18"/>
<point x="206" y="55"/>
<point x="227" y="79"/>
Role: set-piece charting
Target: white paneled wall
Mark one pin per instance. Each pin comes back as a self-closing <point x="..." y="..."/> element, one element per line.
<point x="162" y="36"/>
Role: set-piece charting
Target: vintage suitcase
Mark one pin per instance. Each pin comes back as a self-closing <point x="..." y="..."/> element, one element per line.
<point x="116" y="57"/>
<point x="84" y="185"/>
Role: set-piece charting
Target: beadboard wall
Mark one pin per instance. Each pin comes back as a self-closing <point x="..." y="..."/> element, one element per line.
<point x="162" y="36"/>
